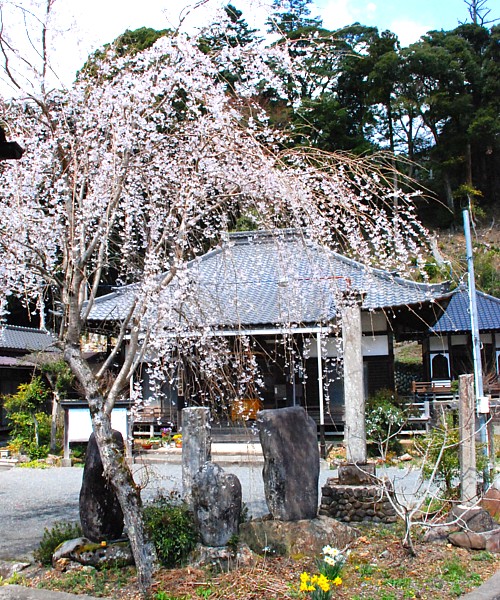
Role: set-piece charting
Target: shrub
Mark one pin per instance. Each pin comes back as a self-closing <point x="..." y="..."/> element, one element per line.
<point x="52" y="538"/>
<point x="171" y="527"/>
<point x="30" y="425"/>
<point x="384" y="420"/>
<point x="441" y="456"/>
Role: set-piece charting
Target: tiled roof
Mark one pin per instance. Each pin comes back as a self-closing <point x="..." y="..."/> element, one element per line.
<point x="259" y="279"/>
<point x="25" y="339"/>
<point x="456" y="318"/>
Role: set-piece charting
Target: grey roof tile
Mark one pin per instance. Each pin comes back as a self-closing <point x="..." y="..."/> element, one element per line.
<point x="260" y="279"/>
<point x="25" y="339"/>
<point x="456" y="317"/>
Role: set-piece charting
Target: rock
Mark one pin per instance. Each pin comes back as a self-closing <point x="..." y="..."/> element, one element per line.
<point x="85" y="552"/>
<point x="439" y="534"/>
<point x="289" y="538"/>
<point x="406" y="457"/>
<point x="216" y="499"/>
<point x="222" y="559"/>
<point x="472" y="518"/>
<point x="9" y="568"/>
<point x="291" y="462"/>
<point x="101" y="516"/>
<point x="487" y="540"/>
<point x="491" y="502"/>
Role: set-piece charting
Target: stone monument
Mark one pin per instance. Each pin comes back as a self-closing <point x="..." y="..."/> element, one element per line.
<point x="291" y="462"/>
<point x="101" y="515"/>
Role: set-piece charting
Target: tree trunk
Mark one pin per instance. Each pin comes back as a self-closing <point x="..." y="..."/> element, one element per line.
<point x="116" y="470"/>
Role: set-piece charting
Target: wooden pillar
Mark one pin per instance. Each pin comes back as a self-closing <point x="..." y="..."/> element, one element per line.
<point x="467" y="446"/>
<point x="354" y="428"/>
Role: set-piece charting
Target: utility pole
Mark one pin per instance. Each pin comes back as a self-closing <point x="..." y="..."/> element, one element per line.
<point x="482" y="403"/>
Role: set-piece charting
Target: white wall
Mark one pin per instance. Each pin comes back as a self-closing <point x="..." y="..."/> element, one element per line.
<point x="80" y="424"/>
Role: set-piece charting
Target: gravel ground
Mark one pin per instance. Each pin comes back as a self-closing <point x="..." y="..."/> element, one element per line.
<point x="33" y="499"/>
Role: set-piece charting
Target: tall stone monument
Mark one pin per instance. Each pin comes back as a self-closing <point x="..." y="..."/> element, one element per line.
<point x="291" y="462"/>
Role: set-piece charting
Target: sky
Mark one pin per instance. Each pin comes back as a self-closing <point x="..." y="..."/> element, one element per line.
<point x="84" y="25"/>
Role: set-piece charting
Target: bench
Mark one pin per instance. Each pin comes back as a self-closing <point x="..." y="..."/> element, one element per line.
<point x="431" y="388"/>
<point x="149" y="421"/>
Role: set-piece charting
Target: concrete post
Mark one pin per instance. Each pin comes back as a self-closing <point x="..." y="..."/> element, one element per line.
<point x="355" y="430"/>
<point x="196" y="446"/>
<point x="467" y="447"/>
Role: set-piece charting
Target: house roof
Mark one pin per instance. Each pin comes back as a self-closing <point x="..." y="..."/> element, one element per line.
<point x="25" y="339"/>
<point x="456" y="317"/>
<point x="262" y="279"/>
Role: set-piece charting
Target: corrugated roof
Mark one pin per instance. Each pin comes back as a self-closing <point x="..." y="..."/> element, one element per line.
<point x="25" y="339"/>
<point x="258" y="278"/>
<point x="456" y="317"/>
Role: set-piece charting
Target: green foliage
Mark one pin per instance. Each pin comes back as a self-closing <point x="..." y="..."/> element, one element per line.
<point x="100" y="583"/>
<point x="52" y="538"/>
<point x="384" y="420"/>
<point x="30" y="431"/>
<point x="171" y="528"/>
<point x="441" y="458"/>
<point x="440" y="447"/>
<point x="59" y="375"/>
<point x="487" y="269"/>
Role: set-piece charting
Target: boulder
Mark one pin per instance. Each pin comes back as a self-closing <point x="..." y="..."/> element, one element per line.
<point x="83" y="551"/>
<point x="101" y="516"/>
<point x="288" y="538"/>
<point x="291" y="462"/>
<point x="216" y="501"/>
<point x="472" y="518"/>
<point x="487" y="540"/>
<point x="491" y="502"/>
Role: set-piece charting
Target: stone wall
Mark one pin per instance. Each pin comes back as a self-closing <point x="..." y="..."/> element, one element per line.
<point x="355" y="503"/>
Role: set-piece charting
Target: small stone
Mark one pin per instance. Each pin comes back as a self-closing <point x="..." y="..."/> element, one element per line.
<point x="406" y="457"/>
<point x="8" y="568"/>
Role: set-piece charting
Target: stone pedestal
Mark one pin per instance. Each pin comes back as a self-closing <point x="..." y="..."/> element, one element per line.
<point x="356" y="503"/>
<point x="288" y="538"/>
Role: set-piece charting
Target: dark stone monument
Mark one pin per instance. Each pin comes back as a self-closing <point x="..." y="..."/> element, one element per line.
<point x="291" y="462"/>
<point x="216" y="499"/>
<point x="101" y="516"/>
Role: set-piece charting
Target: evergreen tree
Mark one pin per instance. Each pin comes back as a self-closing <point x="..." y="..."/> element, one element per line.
<point x="290" y="16"/>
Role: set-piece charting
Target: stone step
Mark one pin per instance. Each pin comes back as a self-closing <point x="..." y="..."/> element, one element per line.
<point x="222" y="452"/>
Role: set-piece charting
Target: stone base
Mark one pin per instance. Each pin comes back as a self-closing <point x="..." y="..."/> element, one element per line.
<point x="85" y="552"/>
<point x="222" y="559"/>
<point x="288" y="538"/>
<point x="356" y="503"/>
<point x="357" y="474"/>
